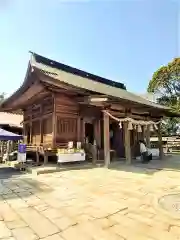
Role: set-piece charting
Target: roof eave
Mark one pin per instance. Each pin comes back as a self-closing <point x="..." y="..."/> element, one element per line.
<point x="154" y="106"/>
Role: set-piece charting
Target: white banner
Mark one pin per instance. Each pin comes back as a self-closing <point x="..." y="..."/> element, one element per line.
<point x="21" y="157"/>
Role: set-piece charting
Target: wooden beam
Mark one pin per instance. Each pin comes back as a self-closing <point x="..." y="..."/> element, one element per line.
<point x="106" y="140"/>
<point x="60" y="90"/>
<point x="117" y="107"/>
<point x="117" y="114"/>
<point x="37" y="118"/>
<point x="140" y="111"/>
<point x="27" y="102"/>
<point x="35" y="89"/>
<point x="100" y="105"/>
<point x="127" y="143"/>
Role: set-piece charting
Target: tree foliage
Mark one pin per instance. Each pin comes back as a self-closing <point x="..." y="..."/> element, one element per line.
<point x="166" y="84"/>
<point x="166" y="80"/>
<point x="2" y="97"/>
<point x="171" y="127"/>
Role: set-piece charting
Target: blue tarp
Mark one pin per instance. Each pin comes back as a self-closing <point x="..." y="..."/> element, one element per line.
<point x="5" y="136"/>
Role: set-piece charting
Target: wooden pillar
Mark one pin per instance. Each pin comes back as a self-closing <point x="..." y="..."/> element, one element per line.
<point x="37" y="155"/>
<point x="54" y="122"/>
<point x="135" y="136"/>
<point x="54" y="129"/>
<point x="161" y="154"/>
<point x="1" y="150"/>
<point x="24" y="133"/>
<point x="8" y="150"/>
<point x="106" y="140"/>
<point x="127" y="143"/>
<point x="97" y="132"/>
<point x="41" y="131"/>
<point x="94" y="154"/>
<point x="148" y="136"/>
<point x="41" y="125"/>
<point x="31" y="132"/>
<point x="79" y="129"/>
<point x="83" y="130"/>
<point x="143" y="132"/>
<point x="45" y="157"/>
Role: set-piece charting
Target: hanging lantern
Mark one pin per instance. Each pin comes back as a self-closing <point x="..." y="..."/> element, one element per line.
<point x="130" y="126"/>
<point x="139" y="128"/>
<point x="151" y="128"/>
<point x="120" y="125"/>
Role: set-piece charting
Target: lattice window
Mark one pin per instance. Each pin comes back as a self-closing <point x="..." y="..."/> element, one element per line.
<point x="66" y="125"/>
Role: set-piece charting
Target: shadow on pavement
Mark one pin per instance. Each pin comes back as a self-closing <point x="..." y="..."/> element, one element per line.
<point x="7" y="172"/>
<point x="168" y="163"/>
<point x="16" y="184"/>
<point x="133" y="169"/>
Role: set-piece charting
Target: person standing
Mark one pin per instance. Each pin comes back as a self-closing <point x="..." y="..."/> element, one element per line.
<point x="146" y="157"/>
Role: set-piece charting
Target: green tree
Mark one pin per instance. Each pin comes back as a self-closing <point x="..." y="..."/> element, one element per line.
<point x="166" y="84"/>
<point x="171" y="127"/>
<point x="2" y="97"/>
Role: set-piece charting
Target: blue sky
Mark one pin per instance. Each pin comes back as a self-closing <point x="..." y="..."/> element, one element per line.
<point x="121" y="40"/>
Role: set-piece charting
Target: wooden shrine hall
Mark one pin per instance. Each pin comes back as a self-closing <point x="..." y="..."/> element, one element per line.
<point x="61" y="104"/>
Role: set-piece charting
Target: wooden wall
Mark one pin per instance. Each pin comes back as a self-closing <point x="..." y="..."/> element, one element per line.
<point x="38" y="122"/>
<point x="55" y="120"/>
<point x="67" y="117"/>
<point x="47" y="131"/>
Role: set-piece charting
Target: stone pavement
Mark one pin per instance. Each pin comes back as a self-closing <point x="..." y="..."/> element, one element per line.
<point x="102" y="204"/>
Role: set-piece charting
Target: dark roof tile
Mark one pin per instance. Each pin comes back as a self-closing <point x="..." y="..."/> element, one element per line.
<point x="72" y="70"/>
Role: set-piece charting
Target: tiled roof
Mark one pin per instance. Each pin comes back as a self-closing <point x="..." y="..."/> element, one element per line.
<point x="150" y="96"/>
<point x="84" y="82"/>
<point x="78" y="72"/>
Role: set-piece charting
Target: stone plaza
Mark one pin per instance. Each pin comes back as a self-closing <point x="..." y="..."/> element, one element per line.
<point x="120" y="203"/>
